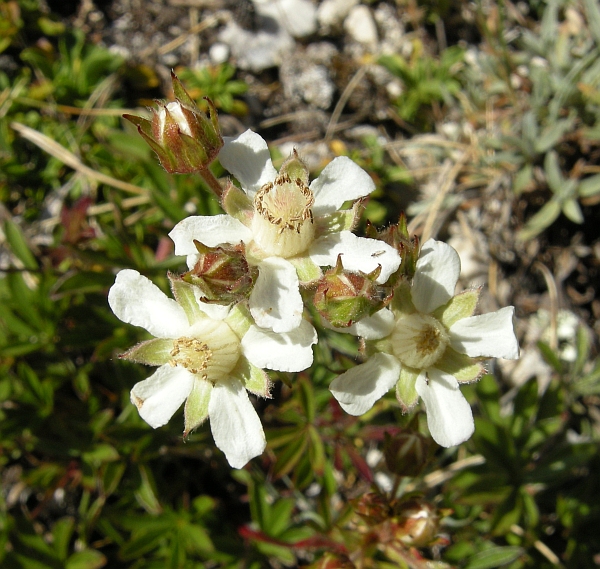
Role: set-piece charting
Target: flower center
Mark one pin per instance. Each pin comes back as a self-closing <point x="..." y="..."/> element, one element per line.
<point x="212" y="353"/>
<point x="283" y="221"/>
<point x="419" y="340"/>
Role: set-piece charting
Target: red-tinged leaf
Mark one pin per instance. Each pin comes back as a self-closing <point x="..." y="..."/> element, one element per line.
<point x="360" y="464"/>
<point x="320" y="542"/>
<point x="314" y="542"/>
<point x="337" y="459"/>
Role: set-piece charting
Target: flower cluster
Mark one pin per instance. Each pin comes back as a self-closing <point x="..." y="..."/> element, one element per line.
<point x="284" y="243"/>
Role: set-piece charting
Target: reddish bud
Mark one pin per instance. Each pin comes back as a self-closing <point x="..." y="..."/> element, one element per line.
<point x="344" y="297"/>
<point x="222" y="273"/>
<point x="183" y="137"/>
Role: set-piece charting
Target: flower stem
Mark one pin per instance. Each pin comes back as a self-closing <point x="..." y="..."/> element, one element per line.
<point x="212" y="182"/>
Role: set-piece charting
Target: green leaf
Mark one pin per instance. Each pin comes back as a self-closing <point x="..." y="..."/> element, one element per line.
<point x="494" y="557"/>
<point x="589" y="186"/>
<point x="552" y="134"/>
<point x="100" y="454"/>
<point x="86" y="559"/>
<point x="550" y="356"/>
<point x="195" y="539"/>
<point x="61" y="533"/>
<point x="554" y="176"/>
<point x="169" y="206"/>
<point x="83" y="282"/>
<point x="281" y="512"/>
<point x="523" y="179"/>
<point x="541" y="220"/>
<point x="307" y="399"/>
<point x="316" y="451"/>
<point x="290" y="455"/>
<point x="507" y="514"/>
<point x="593" y="18"/>
<point x="18" y="245"/>
<point x="572" y="211"/>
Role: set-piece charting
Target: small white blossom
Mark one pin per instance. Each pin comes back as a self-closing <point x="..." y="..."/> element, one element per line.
<point x="290" y="227"/>
<point x="209" y="361"/>
<point x="426" y="344"/>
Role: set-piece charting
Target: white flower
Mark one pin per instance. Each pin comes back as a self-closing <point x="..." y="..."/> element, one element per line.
<point x="205" y="360"/>
<point x="426" y="344"/>
<point x="291" y="228"/>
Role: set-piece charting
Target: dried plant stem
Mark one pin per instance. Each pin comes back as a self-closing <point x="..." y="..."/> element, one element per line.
<point x="61" y="153"/>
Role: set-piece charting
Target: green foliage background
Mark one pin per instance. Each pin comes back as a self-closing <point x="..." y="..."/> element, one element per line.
<point x="85" y="483"/>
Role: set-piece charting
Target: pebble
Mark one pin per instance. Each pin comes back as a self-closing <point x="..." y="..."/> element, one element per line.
<point x="361" y="27"/>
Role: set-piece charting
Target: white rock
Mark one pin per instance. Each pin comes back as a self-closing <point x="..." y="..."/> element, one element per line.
<point x="257" y="51"/>
<point x="297" y="17"/>
<point x="218" y="53"/>
<point x="361" y="26"/>
<point x="331" y="13"/>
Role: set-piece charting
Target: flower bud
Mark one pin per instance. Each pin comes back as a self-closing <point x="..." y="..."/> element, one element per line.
<point x="406" y="453"/>
<point x="222" y="273"/>
<point x="344" y="297"/>
<point x="416" y="523"/>
<point x="373" y="508"/>
<point x="183" y="137"/>
<point x="397" y="236"/>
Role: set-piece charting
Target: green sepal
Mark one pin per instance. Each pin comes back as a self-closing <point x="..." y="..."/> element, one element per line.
<point x="255" y="379"/>
<point x="402" y="304"/>
<point x="237" y="204"/>
<point x="464" y="368"/>
<point x="295" y="168"/>
<point x="343" y="220"/>
<point x="458" y="307"/>
<point x="155" y="352"/>
<point x="307" y="270"/>
<point x="185" y="297"/>
<point x="239" y="320"/>
<point x="196" y="405"/>
<point x="406" y="392"/>
<point x="182" y="95"/>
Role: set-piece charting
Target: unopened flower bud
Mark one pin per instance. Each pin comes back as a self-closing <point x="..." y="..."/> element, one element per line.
<point x="373" y="508"/>
<point x="222" y="273"/>
<point x="398" y="237"/>
<point x="183" y="137"/>
<point x="344" y="297"/>
<point x="406" y="453"/>
<point x="416" y="523"/>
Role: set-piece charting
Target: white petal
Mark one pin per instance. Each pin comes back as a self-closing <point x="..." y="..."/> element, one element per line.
<point x="438" y="269"/>
<point x="341" y="180"/>
<point x="211" y="230"/>
<point x="234" y="423"/>
<point x="373" y="327"/>
<point x="449" y="415"/>
<point x="158" y="397"/>
<point x="290" y="351"/>
<point x="358" y="254"/>
<point x="489" y="335"/>
<point x="358" y="388"/>
<point x="275" y="301"/>
<point x="137" y="300"/>
<point x="213" y="311"/>
<point x="247" y="157"/>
